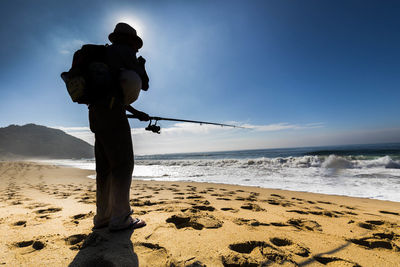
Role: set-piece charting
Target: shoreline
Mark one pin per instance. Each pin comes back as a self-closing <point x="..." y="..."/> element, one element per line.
<point x="177" y="179"/>
<point x="46" y="212"/>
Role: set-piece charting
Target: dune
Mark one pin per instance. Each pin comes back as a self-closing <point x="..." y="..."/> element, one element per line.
<point x="46" y="217"/>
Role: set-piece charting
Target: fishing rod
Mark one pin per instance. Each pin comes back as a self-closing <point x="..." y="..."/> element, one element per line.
<point x="153" y="127"/>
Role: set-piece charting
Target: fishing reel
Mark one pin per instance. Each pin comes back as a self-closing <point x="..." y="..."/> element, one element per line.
<point x="153" y="127"/>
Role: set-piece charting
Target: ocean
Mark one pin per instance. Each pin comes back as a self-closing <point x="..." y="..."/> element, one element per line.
<point x="370" y="171"/>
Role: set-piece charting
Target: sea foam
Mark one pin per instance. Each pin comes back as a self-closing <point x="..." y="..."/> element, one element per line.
<point x="350" y="175"/>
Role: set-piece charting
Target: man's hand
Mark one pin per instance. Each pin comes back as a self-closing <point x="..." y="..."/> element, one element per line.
<point x="138" y="114"/>
<point x="142" y="116"/>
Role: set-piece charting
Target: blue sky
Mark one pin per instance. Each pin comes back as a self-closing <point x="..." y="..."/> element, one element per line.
<point x="298" y="73"/>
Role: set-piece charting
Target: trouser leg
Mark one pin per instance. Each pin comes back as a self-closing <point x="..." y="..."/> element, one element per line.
<point x="122" y="176"/>
<point x="103" y="186"/>
<point x="118" y="149"/>
<point x="121" y="183"/>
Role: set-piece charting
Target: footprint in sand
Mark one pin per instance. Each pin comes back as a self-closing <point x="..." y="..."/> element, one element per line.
<point x="318" y="212"/>
<point x="146" y="196"/>
<point x="87" y="199"/>
<point x="192" y="262"/>
<point x="36" y="205"/>
<point x="303" y="224"/>
<point x="336" y="261"/>
<point x="276" y="195"/>
<point x="249" y="222"/>
<point x="252" y="207"/>
<point x="16" y="202"/>
<point x="203" y="207"/>
<point x="252" y="197"/>
<point x="374" y="224"/>
<point x="290" y="246"/>
<point x="325" y="202"/>
<point x="48" y="210"/>
<point x="278" y="202"/>
<point x="327" y="213"/>
<point x="298" y="211"/>
<point x="141" y="203"/>
<point x="197" y="221"/>
<point x="194" y="197"/>
<point x="140" y="212"/>
<point x="230" y="209"/>
<point x="350" y="213"/>
<point x="249" y="246"/>
<point x="348" y="207"/>
<point x="279" y="224"/>
<point x="75" y="241"/>
<point x="368" y="226"/>
<point x="63" y="195"/>
<point x="153" y="254"/>
<point x="23" y="244"/>
<point x="256" y="253"/>
<point x="192" y="188"/>
<point x="36" y="245"/>
<point x="389" y="240"/>
<point x="81" y="216"/>
<point x="20" y="223"/>
<point x="223" y="198"/>
<point x="44" y="217"/>
<point x="389" y="212"/>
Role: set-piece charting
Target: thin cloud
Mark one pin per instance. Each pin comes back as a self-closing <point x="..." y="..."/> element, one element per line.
<point x="315" y="125"/>
<point x="71" y="129"/>
<point x="282" y="126"/>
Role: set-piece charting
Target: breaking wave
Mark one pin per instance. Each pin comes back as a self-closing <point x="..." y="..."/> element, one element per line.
<point x="331" y="161"/>
<point x="359" y="175"/>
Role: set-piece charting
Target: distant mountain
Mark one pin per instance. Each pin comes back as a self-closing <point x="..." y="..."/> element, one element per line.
<point x="35" y="141"/>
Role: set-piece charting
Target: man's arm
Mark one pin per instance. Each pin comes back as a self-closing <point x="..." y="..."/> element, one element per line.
<point x="137" y="114"/>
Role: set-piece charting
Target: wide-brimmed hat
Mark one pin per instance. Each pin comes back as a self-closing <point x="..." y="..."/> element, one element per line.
<point x="125" y="32"/>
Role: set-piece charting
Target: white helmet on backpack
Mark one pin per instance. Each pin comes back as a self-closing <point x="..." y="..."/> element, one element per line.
<point x="131" y="84"/>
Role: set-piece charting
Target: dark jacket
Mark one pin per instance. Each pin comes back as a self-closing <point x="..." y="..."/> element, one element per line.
<point x="108" y="113"/>
<point x="121" y="56"/>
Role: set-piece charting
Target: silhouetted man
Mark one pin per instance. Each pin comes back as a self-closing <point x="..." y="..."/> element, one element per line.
<point x="113" y="143"/>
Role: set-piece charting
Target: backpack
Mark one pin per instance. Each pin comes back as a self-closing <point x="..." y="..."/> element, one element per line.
<point x="89" y="78"/>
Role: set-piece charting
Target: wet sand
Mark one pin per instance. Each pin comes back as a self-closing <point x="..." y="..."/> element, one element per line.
<point x="46" y="217"/>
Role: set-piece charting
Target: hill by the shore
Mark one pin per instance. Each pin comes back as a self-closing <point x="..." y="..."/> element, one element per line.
<point x="36" y="141"/>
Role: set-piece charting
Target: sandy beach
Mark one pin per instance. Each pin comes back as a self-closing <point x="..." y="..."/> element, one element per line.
<point x="46" y="217"/>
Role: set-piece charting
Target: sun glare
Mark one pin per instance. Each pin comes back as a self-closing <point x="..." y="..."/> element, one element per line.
<point x="131" y="20"/>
